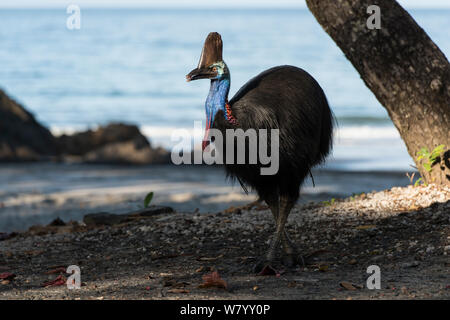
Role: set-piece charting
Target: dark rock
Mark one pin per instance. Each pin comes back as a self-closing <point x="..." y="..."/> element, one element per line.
<point x="109" y="219"/>
<point x="6" y="236"/>
<point x="114" y="143"/>
<point x="411" y="264"/>
<point x="152" y="211"/>
<point x="55" y="227"/>
<point x="22" y="138"/>
<point x="57" y="223"/>
<point x="104" y="219"/>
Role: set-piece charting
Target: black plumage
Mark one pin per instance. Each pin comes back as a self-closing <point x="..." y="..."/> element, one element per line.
<point x="289" y="99"/>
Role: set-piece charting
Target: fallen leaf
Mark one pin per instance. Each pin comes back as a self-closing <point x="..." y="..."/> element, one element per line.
<point x="213" y="280"/>
<point x="59" y="281"/>
<point x="347" y="285"/>
<point x="209" y="258"/>
<point x="7" y="276"/>
<point x="174" y="284"/>
<point x="255" y="288"/>
<point x="57" y="270"/>
<point x="177" y="291"/>
<point x="165" y="274"/>
<point x="366" y="227"/>
<point x="292" y="284"/>
<point x="323" y="267"/>
<point x="200" y="269"/>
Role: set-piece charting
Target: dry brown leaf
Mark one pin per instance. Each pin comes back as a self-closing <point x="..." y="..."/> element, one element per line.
<point x="366" y="227"/>
<point x="57" y="270"/>
<point x="59" y="281"/>
<point x="347" y="285"/>
<point x="177" y="291"/>
<point x="200" y="269"/>
<point x="172" y="283"/>
<point x="323" y="267"/>
<point x="213" y="280"/>
<point x="292" y="284"/>
<point x="7" y="276"/>
<point x="210" y="258"/>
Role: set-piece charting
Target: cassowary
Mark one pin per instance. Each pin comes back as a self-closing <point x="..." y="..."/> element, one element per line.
<point x="285" y="98"/>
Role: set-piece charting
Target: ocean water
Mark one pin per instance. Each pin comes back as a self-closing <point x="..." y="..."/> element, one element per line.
<point x="130" y="65"/>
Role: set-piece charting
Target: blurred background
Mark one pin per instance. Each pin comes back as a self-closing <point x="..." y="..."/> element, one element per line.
<point x="127" y="63"/>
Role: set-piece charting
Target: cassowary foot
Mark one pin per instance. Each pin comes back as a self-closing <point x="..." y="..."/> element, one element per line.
<point x="291" y="257"/>
<point x="293" y="260"/>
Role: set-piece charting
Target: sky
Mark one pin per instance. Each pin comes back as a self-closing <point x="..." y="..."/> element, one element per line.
<point x="195" y="3"/>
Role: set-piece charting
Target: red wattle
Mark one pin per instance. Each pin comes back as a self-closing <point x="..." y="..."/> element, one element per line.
<point x="205" y="141"/>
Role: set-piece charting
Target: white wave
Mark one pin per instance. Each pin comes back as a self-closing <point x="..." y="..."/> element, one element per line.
<point x="162" y="135"/>
<point x="367" y="133"/>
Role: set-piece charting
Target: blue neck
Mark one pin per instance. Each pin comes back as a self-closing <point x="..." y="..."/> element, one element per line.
<point x="217" y="98"/>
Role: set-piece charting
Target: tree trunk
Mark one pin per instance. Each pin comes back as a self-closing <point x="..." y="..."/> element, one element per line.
<point x="403" y="67"/>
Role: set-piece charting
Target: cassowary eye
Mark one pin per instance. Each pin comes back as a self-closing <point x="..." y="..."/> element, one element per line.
<point x="214" y="69"/>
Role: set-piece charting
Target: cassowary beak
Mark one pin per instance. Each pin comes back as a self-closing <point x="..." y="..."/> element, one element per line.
<point x="201" y="73"/>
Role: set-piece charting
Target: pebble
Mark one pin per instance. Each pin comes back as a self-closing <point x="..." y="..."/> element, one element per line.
<point x="410" y="264"/>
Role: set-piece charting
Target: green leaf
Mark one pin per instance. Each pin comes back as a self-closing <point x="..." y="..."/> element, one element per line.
<point x="427" y="166"/>
<point x="423" y="152"/>
<point x="148" y="199"/>
<point x="417" y="182"/>
<point x="439" y="148"/>
<point x="436" y="152"/>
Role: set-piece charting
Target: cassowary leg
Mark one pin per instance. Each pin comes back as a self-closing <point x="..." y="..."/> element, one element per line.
<point x="291" y="256"/>
<point x="280" y="210"/>
<point x="289" y="259"/>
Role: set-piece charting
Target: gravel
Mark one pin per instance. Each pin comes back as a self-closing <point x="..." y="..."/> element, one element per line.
<point x="405" y="231"/>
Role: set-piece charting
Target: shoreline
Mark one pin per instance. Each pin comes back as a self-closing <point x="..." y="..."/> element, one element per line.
<point x="38" y="193"/>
